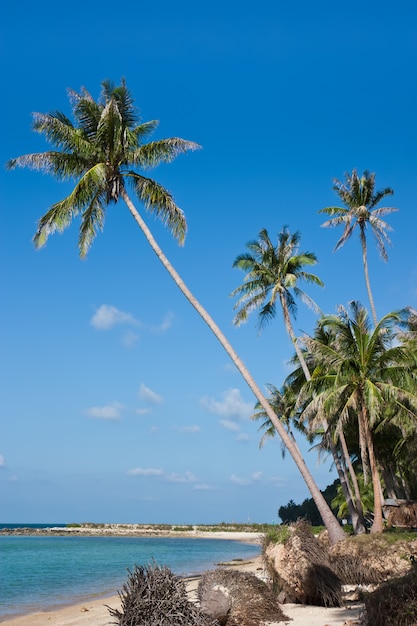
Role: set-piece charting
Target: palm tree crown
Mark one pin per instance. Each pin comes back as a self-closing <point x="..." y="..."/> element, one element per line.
<point x="100" y="150"/>
<point x="360" y="211"/>
<point x="272" y="275"/>
<point x="363" y="372"/>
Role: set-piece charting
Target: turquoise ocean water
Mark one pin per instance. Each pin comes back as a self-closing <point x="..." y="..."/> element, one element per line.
<point x="38" y="573"/>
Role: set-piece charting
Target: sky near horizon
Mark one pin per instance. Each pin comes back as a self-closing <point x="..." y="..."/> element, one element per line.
<point x="116" y="402"/>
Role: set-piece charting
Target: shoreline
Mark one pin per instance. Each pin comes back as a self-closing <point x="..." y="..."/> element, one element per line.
<point x="135" y="530"/>
<point x="93" y="611"/>
<point x="93" y="605"/>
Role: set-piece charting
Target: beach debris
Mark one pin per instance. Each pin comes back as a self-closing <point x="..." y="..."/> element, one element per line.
<point x="370" y="559"/>
<point x="393" y="603"/>
<point x="243" y="599"/>
<point x="300" y="568"/>
<point x="154" y="596"/>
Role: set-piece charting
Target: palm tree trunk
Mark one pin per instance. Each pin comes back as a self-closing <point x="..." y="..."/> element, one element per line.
<point x="367" y="281"/>
<point x="335" y="531"/>
<point x="355" y="513"/>
<point x="290" y="331"/>
<point x="377" y="525"/>
<point x="358" y="497"/>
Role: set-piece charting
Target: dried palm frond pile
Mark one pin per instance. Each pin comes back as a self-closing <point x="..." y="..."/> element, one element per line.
<point x="394" y="603"/>
<point x="301" y="569"/>
<point x="154" y="596"/>
<point x="370" y="559"/>
<point x="248" y="600"/>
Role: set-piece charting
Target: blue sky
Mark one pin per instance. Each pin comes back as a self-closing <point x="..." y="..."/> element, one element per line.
<point x="116" y="402"/>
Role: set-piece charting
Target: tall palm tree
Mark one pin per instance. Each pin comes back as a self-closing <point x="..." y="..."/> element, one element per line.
<point x="273" y="274"/>
<point x="361" y="199"/>
<point x="363" y="372"/>
<point x="101" y="151"/>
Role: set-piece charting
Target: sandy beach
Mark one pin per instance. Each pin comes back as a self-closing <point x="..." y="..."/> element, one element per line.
<point x="95" y="612"/>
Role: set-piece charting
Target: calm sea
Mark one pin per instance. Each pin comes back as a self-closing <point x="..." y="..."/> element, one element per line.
<point x="37" y="573"/>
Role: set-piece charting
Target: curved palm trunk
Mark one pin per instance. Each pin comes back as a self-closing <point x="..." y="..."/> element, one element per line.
<point x="336" y="533"/>
<point x="290" y="331"/>
<point x="367" y="281"/>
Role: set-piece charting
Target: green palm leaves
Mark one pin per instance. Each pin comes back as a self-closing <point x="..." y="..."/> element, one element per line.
<point x="100" y="150"/>
<point x="365" y="375"/>
<point x="360" y="199"/>
<point x="273" y="273"/>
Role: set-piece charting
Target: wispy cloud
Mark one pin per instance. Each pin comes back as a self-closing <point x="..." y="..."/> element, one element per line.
<point x="172" y="477"/>
<point x="145" y="393"/>
<point x="164" y="325"/>
<point x="189" y="429"/>
<point x="203" y="487"/>
<point x="2" y="461"/>
<point x="144" y="411"/>
<point x="238" y="480"/>
<point x="231" y="405"/>
<point x="148" y="471"/>
<point x="107" y="316"/>
<point x="188" y="477"/>
<point x="129" y="338"/>
<point x="106" y="412"/>
<point x="229" y="425"/>
<point x="232" y="409"/>
<point x="243" y="437"/>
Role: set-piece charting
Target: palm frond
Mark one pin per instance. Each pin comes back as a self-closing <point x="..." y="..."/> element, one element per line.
<point x="160" y="202"/>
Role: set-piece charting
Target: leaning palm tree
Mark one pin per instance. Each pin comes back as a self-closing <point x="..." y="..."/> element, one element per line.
<point x="363" y="371"/>
<point x="361" y="199"/>
<point x="273" y="274"/>
<point x="102" y="151"/>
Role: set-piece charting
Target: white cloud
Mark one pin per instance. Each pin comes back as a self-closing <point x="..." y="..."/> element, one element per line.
<point x="229" y="425"/>
<point x="256" y="476"/>
<point x="243" y="437"/>
<point x="129" y="339"/>
<point x="142" y="411"/>
<point x="107" y="316"/>
<point x="145" y="393"/>
<point x="203" y="487"/>
<point x="149" y="471"/>
<point x="2" y="461"/>
<point x="239" y="481"/>
<point x="107" y="412"/>
<point x="188" y="477"/>
<point x="164" y="325"/>
<point x="230" y="406"/>
<point x="189" y="429"/>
